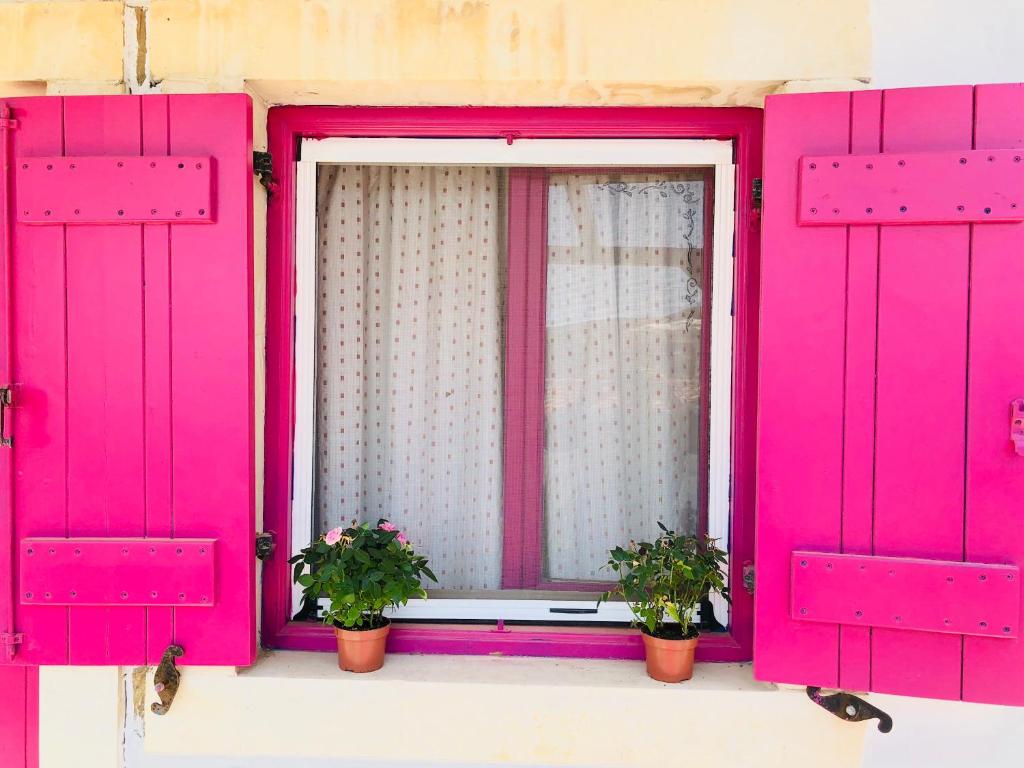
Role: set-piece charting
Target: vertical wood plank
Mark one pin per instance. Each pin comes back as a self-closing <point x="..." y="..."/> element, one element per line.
<point x="15" y="716"/>
<point x="803" y="294"/>
<point x="156" y="307"/>
<point x="212" y="377"/>
<point x="994" y="668"/>
<point x="39" y="425"/>
<point x="859" y="414"/>
<point x="922" y="354"/>
<point x="106" y="479"/>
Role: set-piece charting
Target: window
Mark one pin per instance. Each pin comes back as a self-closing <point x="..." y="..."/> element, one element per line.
<point x="578" y="384"/>
<point x="513" y="364"/>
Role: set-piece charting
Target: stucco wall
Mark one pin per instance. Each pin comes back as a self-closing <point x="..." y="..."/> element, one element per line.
<point x="443" y="51"/>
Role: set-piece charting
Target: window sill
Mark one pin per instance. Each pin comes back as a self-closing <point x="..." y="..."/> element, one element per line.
<point x="506" y="640"/>
<point x="437" y="710"/>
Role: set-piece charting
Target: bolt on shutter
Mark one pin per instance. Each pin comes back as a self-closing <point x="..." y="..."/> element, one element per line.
<point x="126" y="341"/>
<point x="890" y="525"/>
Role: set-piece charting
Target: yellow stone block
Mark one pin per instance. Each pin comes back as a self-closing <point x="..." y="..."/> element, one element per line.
<point x="66" y="41"/>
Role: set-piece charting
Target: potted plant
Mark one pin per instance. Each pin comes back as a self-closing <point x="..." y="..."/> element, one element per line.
<point x="362" y="570"/>
<point x="663" y="582"/>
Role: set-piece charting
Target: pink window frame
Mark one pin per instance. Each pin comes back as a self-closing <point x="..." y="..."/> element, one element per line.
<point x="286" y="127"/>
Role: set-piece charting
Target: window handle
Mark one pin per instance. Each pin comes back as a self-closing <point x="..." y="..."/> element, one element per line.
<point x="1017" y="425"/>
<point x="5" y="403"/>
<point x="572" y="610"/>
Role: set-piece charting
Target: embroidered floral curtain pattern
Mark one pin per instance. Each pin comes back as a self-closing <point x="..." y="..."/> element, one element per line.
<point x="410" y="346"/>
<point x="623" y="363"/>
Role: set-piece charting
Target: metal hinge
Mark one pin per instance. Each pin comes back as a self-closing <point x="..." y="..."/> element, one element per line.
<point x="756" y="193"/>
<point x="6" y="121"/>
<point x="264" y="545"/>
<point x="748" y="576"/>
<point x="10" y="641"/>
<point x="263" y="166"/>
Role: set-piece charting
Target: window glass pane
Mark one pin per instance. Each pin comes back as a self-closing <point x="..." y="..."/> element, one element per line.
<point x="623" y="366"/>
<point x="410" y="348"/>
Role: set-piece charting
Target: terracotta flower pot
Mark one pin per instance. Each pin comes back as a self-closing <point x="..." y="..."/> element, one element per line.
<point x="361" y="650"/>
<point x="669" y="661"/>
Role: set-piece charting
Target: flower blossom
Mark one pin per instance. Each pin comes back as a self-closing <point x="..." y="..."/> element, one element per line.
<point x="400" y="538"/>
<point x="333" y="536"/>
<point x="386" y="526"/>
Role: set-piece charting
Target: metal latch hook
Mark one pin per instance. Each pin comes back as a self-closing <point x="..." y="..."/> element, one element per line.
<point x="848" y="707"/>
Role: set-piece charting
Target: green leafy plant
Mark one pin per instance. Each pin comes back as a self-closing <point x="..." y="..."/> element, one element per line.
<point x="362" y="570"/>
<point x="667" y="579"/>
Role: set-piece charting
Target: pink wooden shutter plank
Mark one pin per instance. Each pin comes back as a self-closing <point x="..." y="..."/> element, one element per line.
<point x="19" y="717"/>
<point x="803" y="293"/>
<point x="156" y="298"/>
<point x="38" y="309"/>
<point x="994" y="669"/>
<point x="212" y="376"/>
<point x="106" y="483"/>
<point x="859" y="414"/>
<point x="922" y="321"/>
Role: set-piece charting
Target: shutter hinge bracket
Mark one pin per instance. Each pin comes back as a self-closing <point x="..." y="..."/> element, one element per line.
<point x="263" y="166"/>
<point x="7" y="122"/>
<point x="756" y="193"/>
<point x="264" y="545"/>
<point x="10" y="642"/>
<point x="848" y="707"/>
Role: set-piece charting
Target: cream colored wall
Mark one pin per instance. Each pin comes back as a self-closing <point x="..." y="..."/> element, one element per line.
<point x="444" y="51"/>
<point x="448" y="710"/>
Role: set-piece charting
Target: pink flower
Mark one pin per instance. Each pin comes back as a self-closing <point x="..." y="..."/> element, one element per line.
<point x="400" y="538"/>
<point x="334" y="536"/>
<point x="386" y="526"/>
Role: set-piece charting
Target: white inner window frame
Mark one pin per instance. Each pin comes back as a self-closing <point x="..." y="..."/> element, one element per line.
<point x="560" y="153"/>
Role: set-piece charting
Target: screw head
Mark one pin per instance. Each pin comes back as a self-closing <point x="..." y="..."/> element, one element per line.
<point x="903" y="209"/>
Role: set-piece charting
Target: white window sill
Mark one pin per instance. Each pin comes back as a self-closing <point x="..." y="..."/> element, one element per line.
<point x="474" y="710"/>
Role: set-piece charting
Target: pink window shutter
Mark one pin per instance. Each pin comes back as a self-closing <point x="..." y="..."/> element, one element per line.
<point x="128" y="513"/>
<point x="889" y="530"/>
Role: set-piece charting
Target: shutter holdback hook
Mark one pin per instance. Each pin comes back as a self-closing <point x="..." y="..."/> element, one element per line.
<point x="848" y="707"/>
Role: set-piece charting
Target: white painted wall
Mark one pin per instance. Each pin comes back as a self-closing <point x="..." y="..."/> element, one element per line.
<point x="943" y="42"/>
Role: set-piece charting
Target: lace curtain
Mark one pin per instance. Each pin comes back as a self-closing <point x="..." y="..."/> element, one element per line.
<point x="410" y="345"/>
<point x="623" y="365"/>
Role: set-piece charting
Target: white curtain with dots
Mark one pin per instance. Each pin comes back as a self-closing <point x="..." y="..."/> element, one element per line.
<point x="623" y="364"/>
<point x="410" y="354"/>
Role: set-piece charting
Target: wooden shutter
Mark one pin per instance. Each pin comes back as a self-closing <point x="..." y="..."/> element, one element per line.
<point x="890" y="524"/>
<point x="126" y="339"/>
